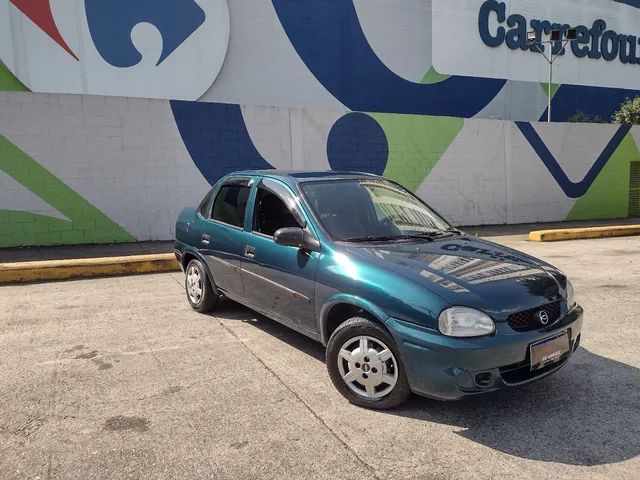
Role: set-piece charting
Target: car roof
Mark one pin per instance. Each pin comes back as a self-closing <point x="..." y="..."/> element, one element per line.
<point x="299" y="176"/>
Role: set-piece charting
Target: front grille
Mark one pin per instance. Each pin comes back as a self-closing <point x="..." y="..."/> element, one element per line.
<point x="528" y="320"/>
<point x="521" y="372"/>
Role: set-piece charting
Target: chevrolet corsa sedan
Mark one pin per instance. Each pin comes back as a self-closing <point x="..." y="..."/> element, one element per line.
<point x="403" y="301"/>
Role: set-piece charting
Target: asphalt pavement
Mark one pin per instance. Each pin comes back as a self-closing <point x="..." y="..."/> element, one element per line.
<point x="119" y="378"/>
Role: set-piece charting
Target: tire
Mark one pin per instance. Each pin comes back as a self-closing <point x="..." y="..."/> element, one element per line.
<point x="198" y="287"/>
<point x="378" y="366"/>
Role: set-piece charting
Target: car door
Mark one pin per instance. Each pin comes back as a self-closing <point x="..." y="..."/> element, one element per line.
<point x="222" y="235"/>
<point x="278" y="279"/>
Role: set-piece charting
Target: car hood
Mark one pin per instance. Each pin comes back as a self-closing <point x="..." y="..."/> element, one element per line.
<point x="469" y="271"/>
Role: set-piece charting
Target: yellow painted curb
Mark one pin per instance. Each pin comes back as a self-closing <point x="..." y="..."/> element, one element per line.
<point x="23" y="272"/>
<point x="583" y="233"/>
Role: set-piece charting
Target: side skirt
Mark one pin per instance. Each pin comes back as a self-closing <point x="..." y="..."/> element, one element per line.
<point x="278" y="318"/>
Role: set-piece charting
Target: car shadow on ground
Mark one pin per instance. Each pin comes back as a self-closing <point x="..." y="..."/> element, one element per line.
<point x="586" y="414"/>
<point x="230" y="310"/>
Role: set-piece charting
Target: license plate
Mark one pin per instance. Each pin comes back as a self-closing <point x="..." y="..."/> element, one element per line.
<point x="548" y="351"/>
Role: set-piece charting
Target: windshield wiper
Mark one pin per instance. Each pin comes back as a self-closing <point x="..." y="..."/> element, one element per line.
<point x="436" y="233"/>
<point x="387" y="238"/>
<point x="372" y="238"/>
<point x="422" y="235"/>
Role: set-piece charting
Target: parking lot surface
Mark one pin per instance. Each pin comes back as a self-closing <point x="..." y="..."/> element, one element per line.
<point x="119" y="378"/>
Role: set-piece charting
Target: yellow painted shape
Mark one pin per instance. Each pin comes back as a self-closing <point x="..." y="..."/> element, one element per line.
<point x="583" y="233"/>
<point x="47" y="270"/>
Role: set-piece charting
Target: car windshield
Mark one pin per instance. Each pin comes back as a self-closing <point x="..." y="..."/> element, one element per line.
<point x="371" y="209"/>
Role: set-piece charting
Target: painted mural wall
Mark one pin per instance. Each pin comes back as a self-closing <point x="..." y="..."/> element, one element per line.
<point x="424" y="57"/>
<point x="139" y="107"/>
<point x="137" y="49"/>
<point x="88" y="169"/>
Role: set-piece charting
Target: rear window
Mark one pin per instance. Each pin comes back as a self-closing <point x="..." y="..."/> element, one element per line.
<point x="231" y="204"/>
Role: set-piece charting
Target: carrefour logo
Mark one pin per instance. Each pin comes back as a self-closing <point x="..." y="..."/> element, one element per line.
<point x="149" y="48"/>
<point x="596" y="41"/>
<point x="111" y="23"/>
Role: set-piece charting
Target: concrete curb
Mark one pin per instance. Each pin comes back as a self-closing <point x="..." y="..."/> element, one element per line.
<point x="583" y="233"/>
<point x="42" y="271"/>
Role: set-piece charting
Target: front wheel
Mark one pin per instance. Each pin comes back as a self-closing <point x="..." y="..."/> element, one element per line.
<point x="365" y="365"/>
<point x="200" y="294"/>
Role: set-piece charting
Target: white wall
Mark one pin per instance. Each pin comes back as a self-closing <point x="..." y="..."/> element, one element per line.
<point x="127" y="158"/>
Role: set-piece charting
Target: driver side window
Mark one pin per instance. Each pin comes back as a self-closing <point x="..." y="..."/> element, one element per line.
<point x="271" y="213"/>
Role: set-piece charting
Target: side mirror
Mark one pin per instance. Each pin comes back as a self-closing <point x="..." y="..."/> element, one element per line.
<point x="290" y="237"/>
<point x="296" y="237"/>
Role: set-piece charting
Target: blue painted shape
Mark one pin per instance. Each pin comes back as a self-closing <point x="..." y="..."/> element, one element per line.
<point x="329" y="39"/>
<point x="572" y="189"/>
<point x="357" y="142"/>
<point x="631" y="3"/>
<point x="111" y="22"/>
<point x="217" y="138"/>
<point x="600" y="101"/>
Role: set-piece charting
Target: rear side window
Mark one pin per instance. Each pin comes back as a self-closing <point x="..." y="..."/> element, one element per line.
<point x="231" y="204"/>
<point x="205" y="204"/>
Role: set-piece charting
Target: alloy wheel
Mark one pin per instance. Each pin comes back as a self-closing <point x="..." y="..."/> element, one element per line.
<point x="367" y="366"/>
<point x="194" y="284"/>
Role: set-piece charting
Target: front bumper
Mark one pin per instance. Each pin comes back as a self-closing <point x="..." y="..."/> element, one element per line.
<point x="449" y="368"/>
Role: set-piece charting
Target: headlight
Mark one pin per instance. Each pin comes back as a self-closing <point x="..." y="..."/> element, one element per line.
<point x="571" y="301"/>
<point x="465" y="322"/>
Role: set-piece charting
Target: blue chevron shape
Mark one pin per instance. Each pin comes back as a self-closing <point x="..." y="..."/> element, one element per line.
<point x="571" y="189"/>
<point x="330" y="41"/>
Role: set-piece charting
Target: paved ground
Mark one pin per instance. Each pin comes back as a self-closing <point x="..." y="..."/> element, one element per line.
<point x="118" y="378"/>
<point x="524" y="228"/>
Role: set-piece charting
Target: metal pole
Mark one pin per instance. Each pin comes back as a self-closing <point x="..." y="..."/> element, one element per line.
<point x="550" y="83"/>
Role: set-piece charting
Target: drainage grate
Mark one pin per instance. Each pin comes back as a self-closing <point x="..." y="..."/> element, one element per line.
<point x="634" y="189"/>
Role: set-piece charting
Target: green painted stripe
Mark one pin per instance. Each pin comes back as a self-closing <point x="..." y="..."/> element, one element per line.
<point x="8" y="81"/>
<point x="87" y="224"/>
<point x="554" y="88"/>
<point x="416" y="144"/>
<point x="608" y="196"/>
<point x="432" y="76"/>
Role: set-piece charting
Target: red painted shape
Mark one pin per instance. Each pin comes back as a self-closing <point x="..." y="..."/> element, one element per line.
<point x="39" y="12"/>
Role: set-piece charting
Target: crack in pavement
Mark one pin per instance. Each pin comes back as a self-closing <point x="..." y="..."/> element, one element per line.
<point x="54" y="400"/>
<point x="214" y="471"/>
<point x="345" y="445"/>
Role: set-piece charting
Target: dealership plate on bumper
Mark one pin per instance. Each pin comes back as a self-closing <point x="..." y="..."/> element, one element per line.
<point x="548" y="351"/>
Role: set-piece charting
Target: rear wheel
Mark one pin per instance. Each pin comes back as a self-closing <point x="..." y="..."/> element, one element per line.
<point x="200" y="294"/>
<point x="365" y="365"/>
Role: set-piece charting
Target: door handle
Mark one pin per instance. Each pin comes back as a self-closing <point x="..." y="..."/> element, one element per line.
<point x="205" y="238"/>
<point x="249" y="251"/>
